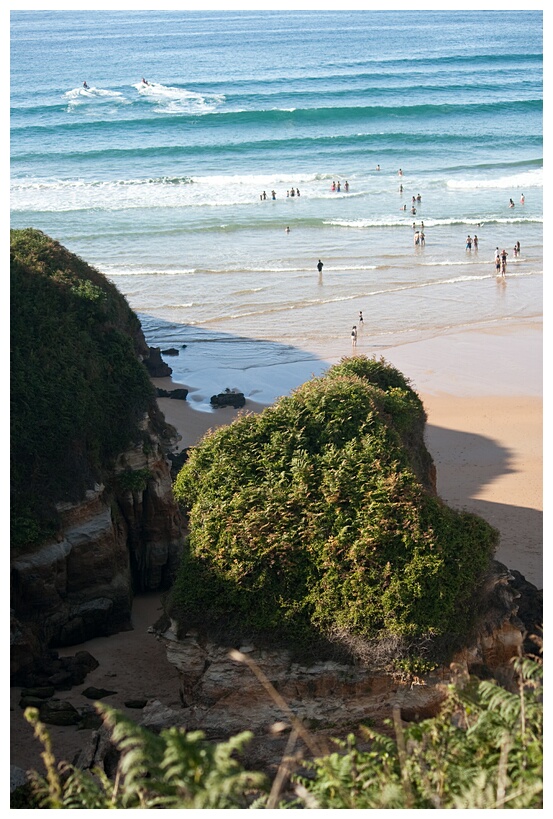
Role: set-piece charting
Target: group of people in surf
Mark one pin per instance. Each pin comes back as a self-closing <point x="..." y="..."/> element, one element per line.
<point x="336" y="186"/>
<point x="418" y="237"/>
<point x="290" y="192"/>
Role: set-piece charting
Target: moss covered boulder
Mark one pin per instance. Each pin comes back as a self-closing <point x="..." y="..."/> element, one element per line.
<point x="318" y="520"/>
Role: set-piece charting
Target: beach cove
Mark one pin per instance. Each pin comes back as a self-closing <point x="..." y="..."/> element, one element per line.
<point x="484" y="432"/>
<point x="159" y="185"/>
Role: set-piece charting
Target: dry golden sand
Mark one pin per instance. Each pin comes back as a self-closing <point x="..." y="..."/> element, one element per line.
<point x="485" y="435"/>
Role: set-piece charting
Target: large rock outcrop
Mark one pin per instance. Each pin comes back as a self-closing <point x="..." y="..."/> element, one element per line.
<point x="118" y="541"/>
<point x="222" y="696"/>
<point x="92" y="512"/>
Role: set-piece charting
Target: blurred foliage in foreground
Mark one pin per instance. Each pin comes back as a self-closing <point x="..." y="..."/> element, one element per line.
<point x="484" y="750"/>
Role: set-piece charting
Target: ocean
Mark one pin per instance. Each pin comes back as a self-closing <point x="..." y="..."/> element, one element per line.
<point x="361" y="115"/>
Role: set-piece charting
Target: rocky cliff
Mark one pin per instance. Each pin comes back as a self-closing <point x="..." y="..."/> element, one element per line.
<point x="93" y="515"/>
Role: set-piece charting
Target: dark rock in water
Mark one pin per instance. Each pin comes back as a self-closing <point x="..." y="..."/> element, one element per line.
<point x="59" y="712"/>
<point x="136" y="703"/>
<point x="179" y="393"/>
<point x="155" y="365"/>
<point x="228" y="399"/>
<point x="170" y="351"/>
<point x="96" y="693"/>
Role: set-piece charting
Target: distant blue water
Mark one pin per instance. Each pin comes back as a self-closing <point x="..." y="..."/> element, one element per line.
<point x="159" y="185"/>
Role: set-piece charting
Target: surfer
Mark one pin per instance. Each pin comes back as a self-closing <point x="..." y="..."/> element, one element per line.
<point x="145" y="81"/>
<point x="85" y="84"/>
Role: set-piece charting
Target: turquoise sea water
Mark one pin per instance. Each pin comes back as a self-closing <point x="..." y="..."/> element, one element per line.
<point x="159" y="185"/>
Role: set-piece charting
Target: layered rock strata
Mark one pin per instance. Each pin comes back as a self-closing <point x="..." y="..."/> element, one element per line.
<point x="124" y="537"/>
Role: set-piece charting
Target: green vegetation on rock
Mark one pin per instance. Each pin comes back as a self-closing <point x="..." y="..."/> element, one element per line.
<point x="78" y="388"/>
<point x="317" y="520"/>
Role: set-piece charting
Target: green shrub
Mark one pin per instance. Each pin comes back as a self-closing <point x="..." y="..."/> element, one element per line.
<point x="134" y="480"/>
<point x="313" y="520"/>
<point x="173" y="770"/>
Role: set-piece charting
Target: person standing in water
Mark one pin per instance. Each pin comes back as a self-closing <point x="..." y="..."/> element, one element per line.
<point x="503" y="262"/>
<point x="354" y="336"/>
<point x="360" y="318"/>
<point x="320" y="266"/>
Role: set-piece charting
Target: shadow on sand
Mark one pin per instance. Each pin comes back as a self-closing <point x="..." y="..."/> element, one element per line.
<point x="465" y="464"/>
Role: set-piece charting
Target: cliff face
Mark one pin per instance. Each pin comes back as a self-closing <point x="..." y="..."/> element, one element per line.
<point x="115" y="542"/>
<point x="93" y="515"/>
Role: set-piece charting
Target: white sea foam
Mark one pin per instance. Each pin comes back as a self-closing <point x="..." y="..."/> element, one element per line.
<point x="168" y="99"/>
<point x="528" y="179"/>
<point x="139" y="270"/>
<point x="92" y="92"/>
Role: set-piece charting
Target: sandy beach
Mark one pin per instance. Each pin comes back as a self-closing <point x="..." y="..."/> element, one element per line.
<point x="484" y="432"/>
